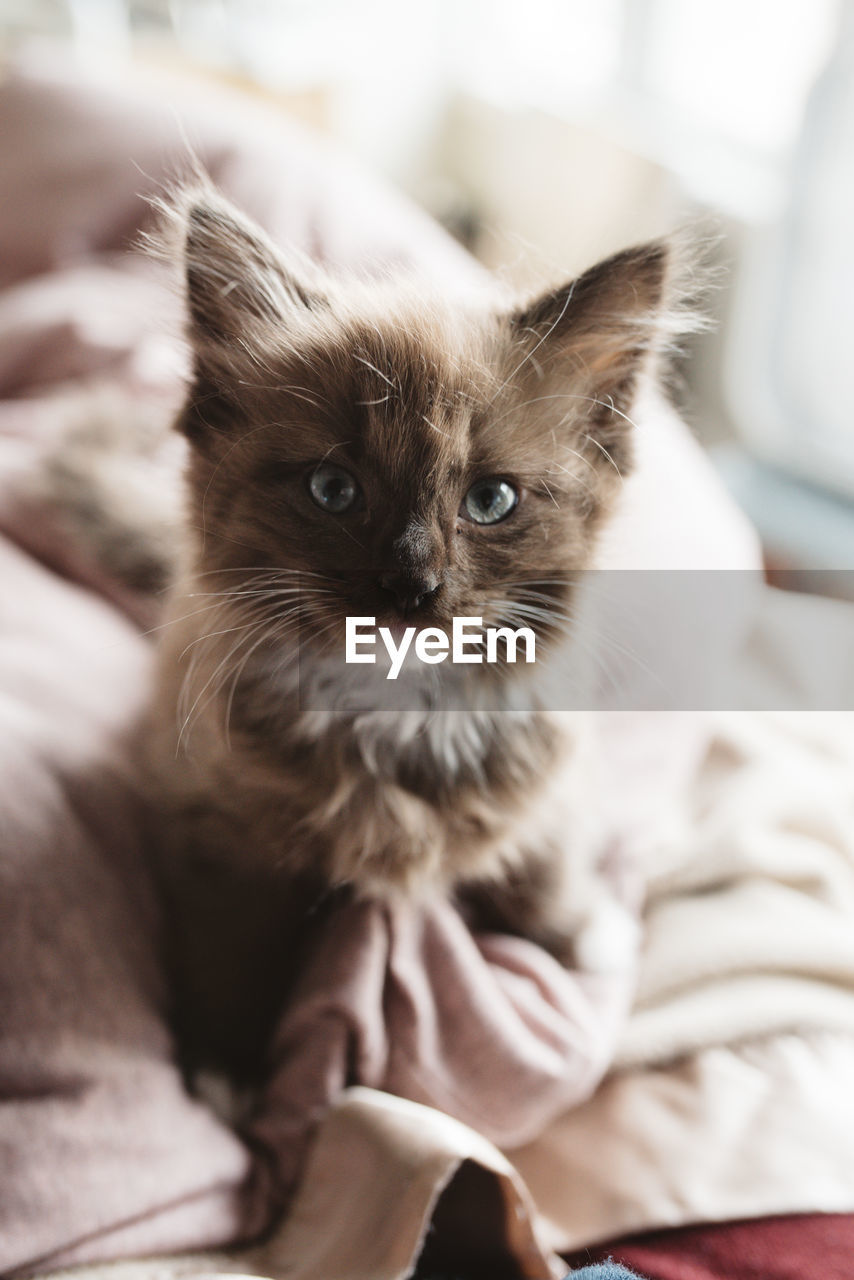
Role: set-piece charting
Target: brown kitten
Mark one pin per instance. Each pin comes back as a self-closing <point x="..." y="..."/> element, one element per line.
<point x="338" y="432"/>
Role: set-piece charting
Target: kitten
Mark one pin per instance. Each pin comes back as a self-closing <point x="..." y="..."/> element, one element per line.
<point x="366" y="449"/>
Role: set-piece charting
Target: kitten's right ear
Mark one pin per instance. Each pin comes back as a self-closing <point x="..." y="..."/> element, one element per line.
<point x="242" y="298"/>
<point x="237" y="281"/>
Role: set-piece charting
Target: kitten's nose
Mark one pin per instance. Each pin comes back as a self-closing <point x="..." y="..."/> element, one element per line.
<point x="410" y="591"/>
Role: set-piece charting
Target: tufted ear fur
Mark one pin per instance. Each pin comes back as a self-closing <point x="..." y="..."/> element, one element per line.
<point x="604" y="330"/>
<point x="235" y="275"/>
<point x="244" y="299"/>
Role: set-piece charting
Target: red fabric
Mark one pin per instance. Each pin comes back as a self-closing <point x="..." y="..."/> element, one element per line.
<point x="801" y="1247"/>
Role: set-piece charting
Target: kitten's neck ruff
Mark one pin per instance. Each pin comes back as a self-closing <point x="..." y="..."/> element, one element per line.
<point x="443" y="727"/>
<point x="390" y="800"/>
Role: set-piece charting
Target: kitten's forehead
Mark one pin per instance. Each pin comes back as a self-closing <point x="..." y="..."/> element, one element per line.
<point x="417" y="381"/>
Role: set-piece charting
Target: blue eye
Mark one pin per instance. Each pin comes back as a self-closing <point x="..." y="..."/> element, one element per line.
<point x="489" y="501"/>
<point x="333" y="489"/>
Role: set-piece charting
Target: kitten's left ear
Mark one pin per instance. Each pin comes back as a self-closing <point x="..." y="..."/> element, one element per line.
<point x="605" y="328"/>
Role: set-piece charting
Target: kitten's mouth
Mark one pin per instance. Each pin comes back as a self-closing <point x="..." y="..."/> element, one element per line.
<point x="396" y="626"/>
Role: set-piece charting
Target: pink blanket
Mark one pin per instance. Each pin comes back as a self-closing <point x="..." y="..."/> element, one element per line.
<point x="103" y="1153"/>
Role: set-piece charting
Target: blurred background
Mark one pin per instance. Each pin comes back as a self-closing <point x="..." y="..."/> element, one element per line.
<point x="546" y="134"/>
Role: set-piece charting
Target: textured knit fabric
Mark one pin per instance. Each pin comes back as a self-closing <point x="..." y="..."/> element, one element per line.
<point x="603" y="1271"/>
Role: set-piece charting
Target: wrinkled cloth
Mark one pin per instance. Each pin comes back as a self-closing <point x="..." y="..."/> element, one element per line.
<point x="751" y="897"/>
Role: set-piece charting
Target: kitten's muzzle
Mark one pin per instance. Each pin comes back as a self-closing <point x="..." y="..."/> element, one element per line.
<point x="410" y="591"/>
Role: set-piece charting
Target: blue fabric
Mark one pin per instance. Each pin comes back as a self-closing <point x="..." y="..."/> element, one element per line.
<point x="599" y="1271"/>
<point x="602" y="1271"/>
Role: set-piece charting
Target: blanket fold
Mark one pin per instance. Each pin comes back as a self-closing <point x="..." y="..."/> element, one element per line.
<point x="402" y="998"/>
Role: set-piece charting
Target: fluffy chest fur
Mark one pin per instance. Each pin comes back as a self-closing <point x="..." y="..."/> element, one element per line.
<point x="389" y="800"/>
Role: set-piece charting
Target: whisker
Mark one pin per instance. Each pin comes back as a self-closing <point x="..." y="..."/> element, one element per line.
<point x="438" y="430"/>
<point x="222" y="666"/>
<point x="551" y="495"/>
<point x="543" y="338"/>
<point x="274" y="631"/>
<point x="363" y="360"/>
<point x="604" y="451"/>
<point x="263" y="569"/>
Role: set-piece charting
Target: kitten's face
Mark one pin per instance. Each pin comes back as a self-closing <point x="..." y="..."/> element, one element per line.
<point x="381" y="455"/>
